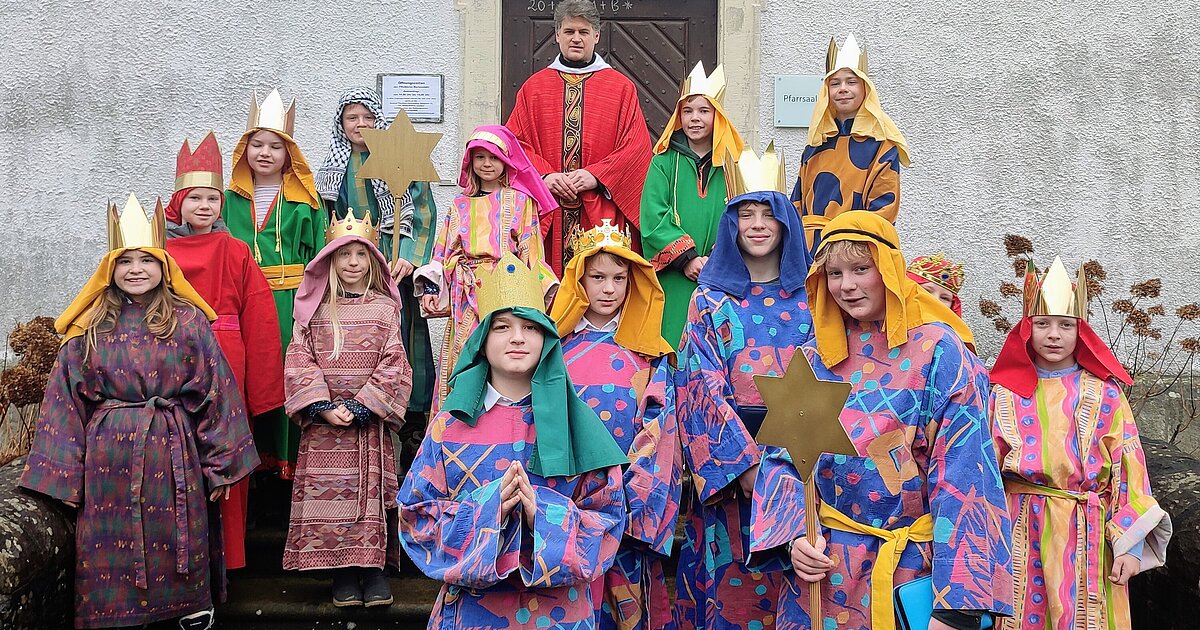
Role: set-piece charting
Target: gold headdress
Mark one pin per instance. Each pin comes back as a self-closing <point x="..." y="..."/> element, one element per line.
<point x="750" y="173"/>
<point x="509" y="285"/>
<point x="131" y="228"/>
<point x="271" y="114"/>
<point x="352" y="226"/>
<point x="1053" y="293"/>
<point x="710" y="86"/>
<point x="599" y="236"/>
<point x="848" y="55"/>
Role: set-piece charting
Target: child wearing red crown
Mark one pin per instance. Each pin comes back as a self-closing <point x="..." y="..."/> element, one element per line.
<point x="1084" y="519"/>
<point x="347" y="381"/>
<point x="854" y="152"/>
<point x="608" y="311"/>
<point x="272" y="205"/>
<point x="222" y="270"/>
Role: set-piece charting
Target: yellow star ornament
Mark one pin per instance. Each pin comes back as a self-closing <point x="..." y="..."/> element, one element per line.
<point x="399" y="155"/>
<point x="802" y="414"/>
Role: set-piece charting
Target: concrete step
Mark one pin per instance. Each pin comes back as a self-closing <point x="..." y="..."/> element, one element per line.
<point x="303" y="600"/>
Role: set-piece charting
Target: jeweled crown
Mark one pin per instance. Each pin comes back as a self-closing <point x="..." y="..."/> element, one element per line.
<point x="132" y="228"/>
<point x="750" y="173"/>
<point x="352" y="226"/>
<point x="508" y="285"/>
<point x="1053" y="293"/>
<point x="848" y="55"/>
<point x="710" y="86"/>
<point x="604" y="234"/>
<point x="271" y="114"/>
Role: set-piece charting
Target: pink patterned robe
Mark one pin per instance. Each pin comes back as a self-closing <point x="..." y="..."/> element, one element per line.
<point x="345" y="486"/>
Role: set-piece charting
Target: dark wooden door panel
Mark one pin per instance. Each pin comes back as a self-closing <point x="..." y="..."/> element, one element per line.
<point x="653" y="42"/>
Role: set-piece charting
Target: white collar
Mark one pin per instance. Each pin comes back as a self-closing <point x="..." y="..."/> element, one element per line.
<point x="597" y="65"/>
<point x="586" y="324"/>
<point x="491" y="398"/>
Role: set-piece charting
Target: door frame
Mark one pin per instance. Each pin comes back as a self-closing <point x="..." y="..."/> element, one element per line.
<point x="738" y="39"/>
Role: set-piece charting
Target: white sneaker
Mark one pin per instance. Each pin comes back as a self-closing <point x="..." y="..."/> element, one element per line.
<point x="202" y="620"/>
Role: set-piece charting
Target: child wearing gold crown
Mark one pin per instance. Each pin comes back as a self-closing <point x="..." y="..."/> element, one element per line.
<point x="941" y="277"/>
<point x="515" y="499"/>
<point x="222" y="270"/>
<point x="684" y="194"/>
<point x="854" y="152"/>
<point x="141" y="426"/>
<point x="272" y="205"/>
<point x="608" y="311"/>
<point x="347" y="381"/>
<point x="1084" y="518"/>
<point x="498" y="212"/>
<point x="748" y="316"/>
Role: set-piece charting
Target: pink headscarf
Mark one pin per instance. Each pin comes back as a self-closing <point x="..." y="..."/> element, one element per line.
<point x="316" y="278"/>
<point x="500" y="142"/>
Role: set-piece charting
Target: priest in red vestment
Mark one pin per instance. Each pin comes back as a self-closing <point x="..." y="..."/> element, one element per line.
<point x="580" y="122"/>
<point x="222" y="270"/>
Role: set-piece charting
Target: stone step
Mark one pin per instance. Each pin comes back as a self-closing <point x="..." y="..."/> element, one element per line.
<point x="303" y="600"/>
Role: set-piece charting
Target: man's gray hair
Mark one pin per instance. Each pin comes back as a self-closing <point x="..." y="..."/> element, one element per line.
<point x="585" y="9"/>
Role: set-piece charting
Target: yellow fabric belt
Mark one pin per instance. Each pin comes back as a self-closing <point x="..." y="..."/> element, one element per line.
<point x="883" y="615"/>
<point x="283" y="277"/>
<point x="1091" y="520"/>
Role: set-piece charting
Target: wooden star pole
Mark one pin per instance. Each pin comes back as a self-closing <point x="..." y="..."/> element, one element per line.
<point x="399" y="155"/>
<point x="802" y="416"/>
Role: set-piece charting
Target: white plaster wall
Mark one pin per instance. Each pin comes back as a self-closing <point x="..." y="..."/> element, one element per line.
<point x="98" y="96"/>
<point x="1070" y="122"/>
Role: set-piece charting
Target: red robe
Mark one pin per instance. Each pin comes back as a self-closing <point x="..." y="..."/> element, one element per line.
<point x="223" y="271"/>
<point x="616" y="147"/>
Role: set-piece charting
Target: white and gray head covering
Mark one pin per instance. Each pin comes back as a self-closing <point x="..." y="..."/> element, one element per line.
<point x="333" y="171"/>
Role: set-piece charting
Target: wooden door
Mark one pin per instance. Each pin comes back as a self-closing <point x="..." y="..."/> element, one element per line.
<point x="653" y="42"/>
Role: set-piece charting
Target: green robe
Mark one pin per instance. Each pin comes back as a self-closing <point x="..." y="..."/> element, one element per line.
<point x="301" y="232"/>
<point x="677" y="215"/>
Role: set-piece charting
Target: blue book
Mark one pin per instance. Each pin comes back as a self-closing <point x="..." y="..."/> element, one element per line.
<point x="914" y="605"/>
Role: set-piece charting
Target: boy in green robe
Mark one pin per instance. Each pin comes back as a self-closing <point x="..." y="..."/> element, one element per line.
<point x="272" y="205"/>
<point x="684" y="194"/>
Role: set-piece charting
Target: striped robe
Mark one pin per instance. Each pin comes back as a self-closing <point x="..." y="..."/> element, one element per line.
<point x="344" y="492"/>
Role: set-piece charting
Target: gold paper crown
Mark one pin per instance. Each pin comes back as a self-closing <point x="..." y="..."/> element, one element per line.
<point x="750" y="173"/>
<point x="352" y="225"/>
<point x="271" y="114"/>
<point x="1053" y="293"/>
<point x="604" y="234"/>
<point x="132" y="228"/>
<point x="849" y="55"/>
<point x="510" y="284"/>
<point x="710" y="86"/>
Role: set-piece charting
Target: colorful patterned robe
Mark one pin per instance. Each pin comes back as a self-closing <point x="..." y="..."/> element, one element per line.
<point x="223" y="272"/>
<point x="1076" y="508"/>
<point x="678" y="213"/>
<point x="845" y="173"/>
<point x="635" y="399"/>
<point x="477" y="233"/>
<point x="345" y="486"/>
<point x="290" y="235"/>
<point x="727" y="341"/>
<point x="498" y="573"/>
<point x="917" y="416"/>
<point x="591" y="121"/>
<point x="138" y="431"/>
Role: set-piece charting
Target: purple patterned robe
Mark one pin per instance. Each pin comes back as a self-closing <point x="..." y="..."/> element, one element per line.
<point x="138" y="432"/>
<point x="917" y="414"/>
<point x="635" y="399"/>
<point x="498" y="573"/>
<point x="726" y="342"/>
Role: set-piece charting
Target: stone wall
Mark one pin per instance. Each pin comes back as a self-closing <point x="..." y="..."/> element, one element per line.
<point x="37" y="557"/>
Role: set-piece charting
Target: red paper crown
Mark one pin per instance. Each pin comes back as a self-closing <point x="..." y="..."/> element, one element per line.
<point x="201" y="168"/>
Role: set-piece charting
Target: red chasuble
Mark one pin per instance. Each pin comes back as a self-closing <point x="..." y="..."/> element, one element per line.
<point x="223" y="271"/>
<point x="591" y="121"/>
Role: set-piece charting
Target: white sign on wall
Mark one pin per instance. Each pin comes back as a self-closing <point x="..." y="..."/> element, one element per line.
<point x="419" y="95"/>
<point x="795" y="96"/>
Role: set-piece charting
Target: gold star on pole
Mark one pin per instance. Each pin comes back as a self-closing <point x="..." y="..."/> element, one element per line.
<point x="802" y="414"/>
<point x="399" y="155"/>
